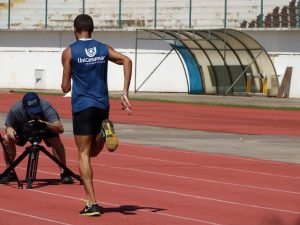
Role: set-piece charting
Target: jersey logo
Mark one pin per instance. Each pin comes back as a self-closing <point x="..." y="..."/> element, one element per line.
<point x="90" y="52"/>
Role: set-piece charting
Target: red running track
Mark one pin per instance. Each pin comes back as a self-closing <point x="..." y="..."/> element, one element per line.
<point x="196" y="117"/>
<point x="161" y="186"/>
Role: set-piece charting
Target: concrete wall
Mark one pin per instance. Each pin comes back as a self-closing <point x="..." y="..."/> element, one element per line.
<point x="24" y="55"/>
<point x="284" y="49"/>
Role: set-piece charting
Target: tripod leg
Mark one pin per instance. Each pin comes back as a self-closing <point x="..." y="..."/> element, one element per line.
<point x="11" y="167"/>
<point x="61" y="165"/>
<point x="31" y="167"/>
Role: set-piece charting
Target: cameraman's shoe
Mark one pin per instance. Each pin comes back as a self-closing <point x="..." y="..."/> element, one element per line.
<point x="11" y="176"/>
<point x="110" y="135"/>
<point x="66" y="178"/>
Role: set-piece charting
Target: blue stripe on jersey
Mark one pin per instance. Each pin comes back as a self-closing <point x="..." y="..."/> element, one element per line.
<point x="89" y="75"/>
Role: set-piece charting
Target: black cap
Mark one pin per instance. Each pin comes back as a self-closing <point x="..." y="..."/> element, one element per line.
<point x="32" y="103"/>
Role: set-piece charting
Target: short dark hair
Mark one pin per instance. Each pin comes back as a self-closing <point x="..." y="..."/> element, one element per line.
<point x="84" y="22"/>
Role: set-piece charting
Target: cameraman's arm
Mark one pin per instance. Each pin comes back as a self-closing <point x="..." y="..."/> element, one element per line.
<point x="11" y="132"/>
<point x="11" y="121"/>
<point x="55" y="127"/>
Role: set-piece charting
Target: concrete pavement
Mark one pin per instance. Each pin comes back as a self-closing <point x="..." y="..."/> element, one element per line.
<point x="245" y="101"/>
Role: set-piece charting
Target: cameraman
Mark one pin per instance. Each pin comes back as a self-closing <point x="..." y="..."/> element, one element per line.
<point x="32" y="107"/>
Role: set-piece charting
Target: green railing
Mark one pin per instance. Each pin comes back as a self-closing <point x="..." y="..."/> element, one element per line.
<point x="120" y="14"/>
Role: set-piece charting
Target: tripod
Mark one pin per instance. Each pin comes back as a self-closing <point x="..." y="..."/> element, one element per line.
<point x="33" y="155"/>
<point x="20" y="185"/>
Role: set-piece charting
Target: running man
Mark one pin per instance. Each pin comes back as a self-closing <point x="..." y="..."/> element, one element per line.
<point x="85" y="62"/>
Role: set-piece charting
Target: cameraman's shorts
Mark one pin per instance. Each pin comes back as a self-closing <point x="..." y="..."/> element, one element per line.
<point x="88" y="121"/>
<point x="22" y="140"/>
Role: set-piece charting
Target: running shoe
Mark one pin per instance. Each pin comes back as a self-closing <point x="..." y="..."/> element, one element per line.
<point x="111" y="137"/>
<point x="11" y="176"/>
<point x="92" y="210"/>
<point x="65" y="178"/>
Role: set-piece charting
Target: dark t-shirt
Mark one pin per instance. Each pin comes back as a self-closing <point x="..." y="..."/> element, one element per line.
<point x="17" y="117"/>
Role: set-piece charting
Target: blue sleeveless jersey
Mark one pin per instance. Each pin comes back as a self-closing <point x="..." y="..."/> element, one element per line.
<point x="89" y="75"/>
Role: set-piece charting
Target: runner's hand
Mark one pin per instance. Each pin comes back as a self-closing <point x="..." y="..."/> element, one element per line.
<point x="125" y="104"/>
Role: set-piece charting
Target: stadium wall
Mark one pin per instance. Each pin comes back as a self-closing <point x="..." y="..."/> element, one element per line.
<point x="284" y="50"/>
<point x="31" y="59"/>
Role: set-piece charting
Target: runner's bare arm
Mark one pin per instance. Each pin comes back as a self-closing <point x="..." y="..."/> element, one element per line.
<point x="121" y="59"/>
<point x="66" y="62"/>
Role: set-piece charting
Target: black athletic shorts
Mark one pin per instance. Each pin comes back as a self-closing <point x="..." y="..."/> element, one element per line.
<point x="88" y="121"/>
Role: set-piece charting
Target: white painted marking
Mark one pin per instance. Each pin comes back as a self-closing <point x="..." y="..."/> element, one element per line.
<point x="34" y="217"/>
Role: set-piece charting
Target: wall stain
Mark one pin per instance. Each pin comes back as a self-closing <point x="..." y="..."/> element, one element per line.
<point x="12" y="2"/>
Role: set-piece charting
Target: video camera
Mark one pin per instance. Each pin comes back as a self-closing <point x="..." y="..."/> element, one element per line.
<point x="34" y="129"/>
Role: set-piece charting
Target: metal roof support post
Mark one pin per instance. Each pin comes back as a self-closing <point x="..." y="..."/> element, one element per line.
<point x="261" y="13"/>
<point x="83" y="6"/>
<point x="135" y="58"/>
<point x="298" y="14"/>
<point x="190" y="14"/>
<point x="120" y="14"/>
<point x="225" y="26"/>
<point x="225" y="14"/>
<point x="224" y="56"/>
<point x="237" y="79"/>
<point x="46" y="14"/>
<point x="8" y="17"/>
<point x="155" y="13"/>
<point x="224" y="40"/>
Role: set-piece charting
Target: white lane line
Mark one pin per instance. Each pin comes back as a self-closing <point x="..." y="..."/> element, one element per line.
<point x="188" y="178"/>
<point x="199" y="197"/>
<point x="189" y="219"/>
<point x="199" y="179"/>
<point x="154" y="159"/>
<point x="222" y="168"/>
<point x="220" y="155"/>
<point x="213" y="167"/>
<point x="141" y="157"/>
<point x="249" y="171"/>
<point x="191" y="196"/>
<point x="191" y="164"/>
<point x="116" y="205"/>
<point x="206" y="180"/>
<point x="188" y="195"/>
<point x="33" y="217"/>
